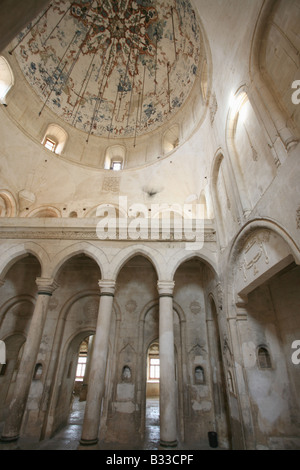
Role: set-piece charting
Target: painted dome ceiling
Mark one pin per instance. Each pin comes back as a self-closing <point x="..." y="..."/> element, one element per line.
<point x="117" y="68"/>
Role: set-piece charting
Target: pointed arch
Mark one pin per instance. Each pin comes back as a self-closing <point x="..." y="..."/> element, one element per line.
<point x="76" y="249"/>
<point x="17" y="252"/>
<point x="152" y="255"/>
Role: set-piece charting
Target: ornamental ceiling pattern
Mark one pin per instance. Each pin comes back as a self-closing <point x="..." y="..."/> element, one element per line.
<point x="117" y="68"/>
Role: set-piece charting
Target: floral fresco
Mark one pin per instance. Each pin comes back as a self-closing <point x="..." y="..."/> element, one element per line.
<point x="116" y="68"/>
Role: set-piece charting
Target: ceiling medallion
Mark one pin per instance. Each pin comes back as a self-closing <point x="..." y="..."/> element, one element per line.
<point x="112" y="68"/>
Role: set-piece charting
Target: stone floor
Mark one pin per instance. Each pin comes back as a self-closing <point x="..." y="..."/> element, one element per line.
<point x="68" y="438"/>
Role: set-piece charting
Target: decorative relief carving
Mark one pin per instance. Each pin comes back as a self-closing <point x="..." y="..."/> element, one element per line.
<point x="77" y="235"/>
<point x="195" y="307"/>
<point x="255" y="250"/>
<point x="112" y="184"/>
<point x="53" y="303"/>
<point x="131" y="306"/>
<point x="198" y="350"/>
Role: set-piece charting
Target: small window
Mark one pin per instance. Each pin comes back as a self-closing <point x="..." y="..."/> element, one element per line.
<point x="114" y="158"/>
<point x="264" y="358"/>
<point x="50" y="145"/>
<point x="116" y="166"/>
<point x="55" y="139"/>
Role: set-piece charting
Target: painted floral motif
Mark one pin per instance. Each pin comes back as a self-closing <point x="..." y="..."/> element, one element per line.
<point x="112" y="67"/>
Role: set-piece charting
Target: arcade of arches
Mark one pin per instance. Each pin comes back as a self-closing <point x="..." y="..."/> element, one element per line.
<point x="150" y="223"/>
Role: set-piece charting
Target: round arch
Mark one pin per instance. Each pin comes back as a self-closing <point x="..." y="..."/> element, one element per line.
<point x="118" y="210"/>
<point x="44" y="211"/>
<point x="155" y="303"/>
<point x="10" y="208"/>
<point x="250" y="228"/>
<point x="255" y="224"/>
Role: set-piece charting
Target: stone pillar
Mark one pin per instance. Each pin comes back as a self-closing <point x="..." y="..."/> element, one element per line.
<point x="90" y="428"/>
<point x="168" y="408"/>
<point x="31" y="349"/>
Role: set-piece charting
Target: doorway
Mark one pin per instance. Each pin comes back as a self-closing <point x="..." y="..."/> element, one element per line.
<point x="152" y="421"/>
<point x="79" y="393"/>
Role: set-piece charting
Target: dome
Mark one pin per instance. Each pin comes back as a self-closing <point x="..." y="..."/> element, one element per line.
<point x="115" y="68"/>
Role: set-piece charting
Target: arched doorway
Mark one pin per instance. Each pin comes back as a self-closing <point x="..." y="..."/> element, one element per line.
<point x="80" y="385"/>
<point x="152" y="416"/>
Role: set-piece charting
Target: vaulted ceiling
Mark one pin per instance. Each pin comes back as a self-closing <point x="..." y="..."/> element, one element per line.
<point x="112" y="68"/>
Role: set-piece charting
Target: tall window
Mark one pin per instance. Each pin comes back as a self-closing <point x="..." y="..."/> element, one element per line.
<point x="153" y="365"/>
<point x="81" y="365"/>
<point x="82" y="360"/>
<point x="154" y="368"/>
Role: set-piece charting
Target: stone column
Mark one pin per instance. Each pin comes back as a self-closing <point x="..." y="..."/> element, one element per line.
<point x="31" y="349"/>
<point x="168" y="411"/>
<point x="90" y="428"/>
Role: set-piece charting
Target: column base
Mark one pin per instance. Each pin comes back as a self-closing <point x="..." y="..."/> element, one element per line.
<point x="8" y="439"/>
<point x="167" y="444"/>
<point x="88" y="442"/>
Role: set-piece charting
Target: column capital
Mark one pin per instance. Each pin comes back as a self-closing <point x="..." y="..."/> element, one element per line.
<point x="107" y="287"/>
<point x="46" y="286"/>
<point x="165" y="288"/>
